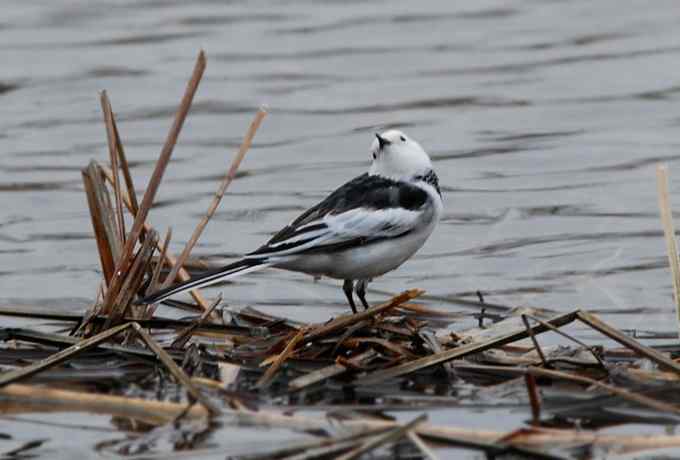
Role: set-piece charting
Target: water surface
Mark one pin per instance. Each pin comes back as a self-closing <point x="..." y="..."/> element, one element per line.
<point x="545" y="121"/>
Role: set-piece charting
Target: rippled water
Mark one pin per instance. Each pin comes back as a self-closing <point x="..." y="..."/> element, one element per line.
<point x="545" y="121"/>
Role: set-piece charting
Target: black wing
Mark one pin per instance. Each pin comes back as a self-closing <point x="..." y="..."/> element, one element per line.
<point x="367" y="192"/>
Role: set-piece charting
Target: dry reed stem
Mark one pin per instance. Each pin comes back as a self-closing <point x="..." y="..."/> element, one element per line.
<point x="185" y="335"/>
<point x="155" y="276"/>
<point x="569" y="337"/>
<point x="100" y="292"/>
<point x="268" y="376"/>
<point x="156" y="177"/>
<point x="132" y="281"/>
<point x="82" y="328"/>
<point x="544" y="437"/>
<point x="125" y="167"/>
<point x="153" y="284"/>
<point x="534" y="398"/>
<point x="59" y="357"/>
<point x="107" y="210"/>
<point x="345" y="321"/>
<point x="422" y="447"/>
<point x="182" y="275"/>
<point x="642" y="350"/>
<point x="83" y="345"/>
<point x="537" y="346"/>
<point x="113" y="155"/>
<point x="649" y="376"/>
<point x="327" y="451"/>
<point x="391" y="436"/>
<point x="228" y="178"/>
<point x="642" y="400"/>
<point x="98" y="226"/>
<point x="175" y="370"/>
<point x="28" y="335"/>
<point x="59" y="341"/>
<point x="669" y="233"/>
<point x="319" y="448"/>
<point x="459" y="352"/>
<point x="385" y="344"/>
<point x="18" y="398"/>
<point x="425" y="311"/>
<point x="332" y="370"/>
<point x="430" y="338"/>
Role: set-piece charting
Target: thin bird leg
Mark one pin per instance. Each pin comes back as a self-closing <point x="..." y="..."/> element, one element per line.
<point x="361" y="292"/>
<point x="348" y="287"/>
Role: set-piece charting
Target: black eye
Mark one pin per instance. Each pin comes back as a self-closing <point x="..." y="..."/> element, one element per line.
<point x="403" y="139"/>
<point x="375" y="156"/>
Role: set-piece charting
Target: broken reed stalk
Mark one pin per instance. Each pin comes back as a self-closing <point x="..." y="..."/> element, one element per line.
<point x="18" y="398"/>
<point x="182" y="275"/>
<point x="85" y="344"/>
<point x="430" y="338"/>
<point x="339" y="367"/>
<point x="338" y="447"/>
<point x="316" y="448"/>
<point x="459" y="352"/>
<point x="268" y="376"/>
<point x="391" y="436"/>
<point x="58" y="340"/>
<point x="538" y="348"/>
<point x="125" y="167"/>
<point x="345" y="321"/>
<point x="534" y="398"/>
<point x="100" y="292"/>
<point x="643" y="350"/>
<point x="175" y="370"/>
<point x="669" y="233"/>
<point x="228" y="178"/>
<point x="386" y="344"/>
<point x="153" y="284"/>
<point x="464" y="350"/>
<point x="642" y="400"/>
<point x="185" y="335"/>
<point x="568" y="337"/>
<point x="132" y="282"/>
<point x="59" y="357"/>
<point x="103" y="220"/>
<point x="422" y="447"/>
<point x="124" y="261"/>
<point x="113" y="155"/>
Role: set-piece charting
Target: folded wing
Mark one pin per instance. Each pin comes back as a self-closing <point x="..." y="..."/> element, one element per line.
<point x="364" y="210"/>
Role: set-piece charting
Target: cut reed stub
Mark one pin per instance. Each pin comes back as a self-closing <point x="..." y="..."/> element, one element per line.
<point x="669" y="234"/>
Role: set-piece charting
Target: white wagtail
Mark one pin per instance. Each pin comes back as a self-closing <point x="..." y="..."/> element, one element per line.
<point x="366" y="228"/>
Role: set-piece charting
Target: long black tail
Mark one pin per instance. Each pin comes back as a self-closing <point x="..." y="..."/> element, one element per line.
<point x="210" y="277"/>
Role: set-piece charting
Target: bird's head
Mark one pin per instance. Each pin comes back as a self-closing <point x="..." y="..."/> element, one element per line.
<point x="397" y="156"/>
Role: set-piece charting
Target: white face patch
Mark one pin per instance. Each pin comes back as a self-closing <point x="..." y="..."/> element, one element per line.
<point x="397" y="156"/>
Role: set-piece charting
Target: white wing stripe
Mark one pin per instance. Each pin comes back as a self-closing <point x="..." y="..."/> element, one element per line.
<point x="379" y="223"/>
<point x="299" y="237"/>
<point x="355" y="223"/>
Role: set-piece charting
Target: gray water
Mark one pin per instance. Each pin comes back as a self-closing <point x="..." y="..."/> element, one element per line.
<point x="545" y="121"/>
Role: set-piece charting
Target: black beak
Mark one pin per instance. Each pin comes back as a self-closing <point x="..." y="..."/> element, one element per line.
<point x="382" y="142"/>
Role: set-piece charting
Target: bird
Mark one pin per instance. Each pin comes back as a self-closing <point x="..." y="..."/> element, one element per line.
<point x="365" y="228"/>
